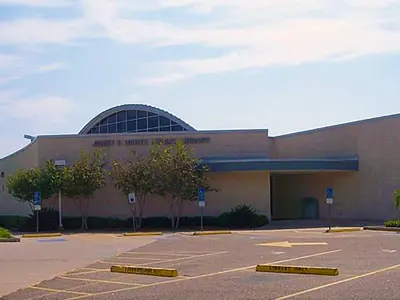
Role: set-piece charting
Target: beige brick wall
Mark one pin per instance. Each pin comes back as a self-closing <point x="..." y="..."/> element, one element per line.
<point x="366" y="194"/>
<point x="221" y="144"/>
<point x="27" y="157"/>
<point x="233" y="189"/>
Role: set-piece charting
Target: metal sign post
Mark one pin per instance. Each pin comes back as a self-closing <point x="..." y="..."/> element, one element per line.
<point x="60" y="164"/>
<point x="202" y="203"/>
<point x="329" y="201"/>
<point x="37" y="202"/>
<point x="132" y="201"/>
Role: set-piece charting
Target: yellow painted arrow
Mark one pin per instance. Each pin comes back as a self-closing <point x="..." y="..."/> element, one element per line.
<point x="289" y="245"/>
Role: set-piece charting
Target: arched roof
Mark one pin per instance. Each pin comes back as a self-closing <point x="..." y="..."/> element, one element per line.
<point x="150" y="111"/>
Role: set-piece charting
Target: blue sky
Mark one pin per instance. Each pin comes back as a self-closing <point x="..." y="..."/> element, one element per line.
<point x="284" y="65"/>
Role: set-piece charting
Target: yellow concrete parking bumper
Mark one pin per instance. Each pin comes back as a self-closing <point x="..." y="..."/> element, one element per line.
<point x="144" y="271"/>
<point x="142" y="233"/>
<point x="350" y="229"/>
<point x="211" y="232"/>
<point x="297" y="270"/>
<point x="382" y="228"/>
<point x="41" y="235"/>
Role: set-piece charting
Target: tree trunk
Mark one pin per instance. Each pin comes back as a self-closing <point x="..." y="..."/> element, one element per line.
<point x="134" y="222"/>
<point x="179" y="213"/>
<point x="79" y="205"/>
<point x="133" y="211"/>
<point x="83" y="207"/>
<point x="142" y="201"/>
<point x="177" y="222"/>
<point x="171" y="207"/>
<point x="83" y="224"/>
<point x="85" y="210"/>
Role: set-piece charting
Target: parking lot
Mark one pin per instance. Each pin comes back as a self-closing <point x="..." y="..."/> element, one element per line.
<point x="223" y="267"/>
<point x="35" y="259"/>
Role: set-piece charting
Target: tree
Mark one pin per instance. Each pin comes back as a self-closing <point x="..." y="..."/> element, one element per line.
<point x="24" y="183"/>
<point x="82" y="179"/>
<point x="134" y="175"/>
<point x="180" y="175"/>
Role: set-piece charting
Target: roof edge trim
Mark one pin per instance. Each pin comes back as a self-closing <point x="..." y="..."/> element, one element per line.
<point x="160" y="133"/>
<point x="351" y="123"/>
<point x="26" y="147"/>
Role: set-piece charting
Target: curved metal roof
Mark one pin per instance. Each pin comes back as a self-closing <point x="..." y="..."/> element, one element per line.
<point x="141" y="107"/>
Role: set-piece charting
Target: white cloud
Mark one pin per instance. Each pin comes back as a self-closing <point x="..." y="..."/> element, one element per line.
<point x="41" y="31"/>
<point x="51" y="67"/>
<point x="8" y="61"/>
<point x="10" y="65"/>
<point x="40" y="109"/>
<point x="257" y="33"/>
<point x="288" y="43"/>
<point x="15" y="67"/>
<point x="38" y="3"/>
<point x="370" y="3"/>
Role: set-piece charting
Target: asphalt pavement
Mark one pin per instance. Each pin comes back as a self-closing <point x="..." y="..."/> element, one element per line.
<point x="223" y="267"/>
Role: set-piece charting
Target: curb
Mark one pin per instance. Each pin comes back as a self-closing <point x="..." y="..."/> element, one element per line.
<point x="297" y="270"/>
<point x="211" y="232"/>
<point x="142" y="233"/>
<point x="10" y="240"/>
<point x="144" y="271"/>
<point x="333" y="230"/>
<point x="39" y="235"/>
<point x="382" y="228"/>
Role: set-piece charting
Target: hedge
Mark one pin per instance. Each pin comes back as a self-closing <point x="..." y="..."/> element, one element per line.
<point x="239" y="217"/>
<point x="392" y="223"/>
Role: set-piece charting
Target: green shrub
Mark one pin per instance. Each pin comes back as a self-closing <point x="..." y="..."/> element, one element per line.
<point x="223" y="219"/>
<point x="72" y="223"/>
<point x="242" y="216"/>
<point x="194" y="222"/>
<point x="262" y="220"/>
<point x="392" y="223"/>
<point x="13" y="223"/>
<point x="107" y="223"/>
<point x="4" y="233"/>
<point x="48" y="220"/>
<point x="155" y="222"/>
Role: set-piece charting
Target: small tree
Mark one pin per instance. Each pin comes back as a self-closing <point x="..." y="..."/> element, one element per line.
<point x="24" y="183"/>
<point x="161" y="159"/>
<point x="82" y="179"/>
<point x="396" y="199"/>
<point x="134" y="175"/>
<point x="180" y="175"/>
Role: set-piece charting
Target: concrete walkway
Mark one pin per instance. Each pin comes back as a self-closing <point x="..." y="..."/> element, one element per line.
<point x="36" y="259"/>
<point x="289" y="224"/>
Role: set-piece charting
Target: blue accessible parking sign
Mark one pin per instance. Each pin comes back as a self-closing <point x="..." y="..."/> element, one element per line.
<point x="201" y="196"/>
<point x="329" y="193"/>
<point x="37" y="198"/>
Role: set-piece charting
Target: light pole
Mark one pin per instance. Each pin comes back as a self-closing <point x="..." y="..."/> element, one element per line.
<point x="60" y="164"/>
<point x="29" y="137"/>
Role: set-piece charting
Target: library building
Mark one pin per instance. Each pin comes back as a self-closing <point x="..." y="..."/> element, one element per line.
<point x="283" y="177"/>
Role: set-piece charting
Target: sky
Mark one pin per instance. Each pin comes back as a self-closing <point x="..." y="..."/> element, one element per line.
<point x="282" y="65"/>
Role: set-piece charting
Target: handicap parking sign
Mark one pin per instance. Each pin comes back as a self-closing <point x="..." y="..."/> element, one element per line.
<point x="329" y="193"/>
<point x="37" y="198"/>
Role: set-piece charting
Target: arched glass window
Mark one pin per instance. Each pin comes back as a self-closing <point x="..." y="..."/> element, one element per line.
<point x="135" y="121"/>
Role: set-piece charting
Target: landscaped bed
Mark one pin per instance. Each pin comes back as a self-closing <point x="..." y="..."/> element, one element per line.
<point x="392" y="223"/>
<point x="6" y="236"/>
